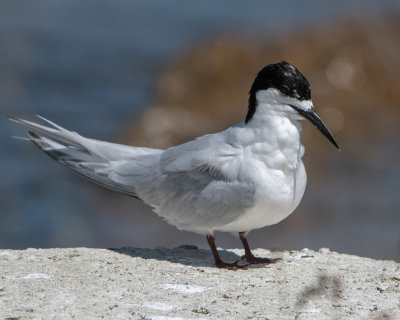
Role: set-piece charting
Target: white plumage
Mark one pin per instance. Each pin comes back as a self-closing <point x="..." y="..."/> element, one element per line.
<point x="243" y="178"/>
<point x="246" y="177"/>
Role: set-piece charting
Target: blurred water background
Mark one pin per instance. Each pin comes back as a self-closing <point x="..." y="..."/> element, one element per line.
<point x="95" y="67"/>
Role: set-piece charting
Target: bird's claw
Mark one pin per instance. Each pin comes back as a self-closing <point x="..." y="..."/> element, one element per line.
<point x="257" y="260"/>
<point x="231" y="266"/>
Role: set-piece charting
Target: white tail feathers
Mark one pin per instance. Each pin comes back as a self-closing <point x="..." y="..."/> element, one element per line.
<point x="90" y="158"/>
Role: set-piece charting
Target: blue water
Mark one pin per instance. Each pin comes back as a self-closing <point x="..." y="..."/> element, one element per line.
<point x="91" y="66"/>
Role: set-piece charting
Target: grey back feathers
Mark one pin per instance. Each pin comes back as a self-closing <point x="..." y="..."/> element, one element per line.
<point x="162" y="179"/>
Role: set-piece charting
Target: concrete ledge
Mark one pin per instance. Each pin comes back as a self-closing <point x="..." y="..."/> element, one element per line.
<point x="182" y="283"/>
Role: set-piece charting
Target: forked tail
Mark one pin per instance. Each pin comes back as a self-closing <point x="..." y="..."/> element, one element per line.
<point x="92" y="159"/>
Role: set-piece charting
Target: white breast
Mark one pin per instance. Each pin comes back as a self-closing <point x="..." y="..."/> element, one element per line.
<point x="272" y="162"/>
<point x="272" y="204"/>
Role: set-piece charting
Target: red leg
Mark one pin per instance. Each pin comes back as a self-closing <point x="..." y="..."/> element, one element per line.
<point x="248" y="255"/>
<point x="218" y="261"/>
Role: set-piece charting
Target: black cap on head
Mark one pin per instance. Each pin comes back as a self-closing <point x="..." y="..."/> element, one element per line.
<point x="283" y="77"/>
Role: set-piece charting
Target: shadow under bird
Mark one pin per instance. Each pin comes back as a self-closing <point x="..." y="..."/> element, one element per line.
<point x="244" y="178"/>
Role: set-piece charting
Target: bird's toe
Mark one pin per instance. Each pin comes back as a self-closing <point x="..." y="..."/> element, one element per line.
<point x="258" y="260"/>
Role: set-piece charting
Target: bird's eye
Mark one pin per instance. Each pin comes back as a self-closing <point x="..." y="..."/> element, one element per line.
<point x="284" y="90"/>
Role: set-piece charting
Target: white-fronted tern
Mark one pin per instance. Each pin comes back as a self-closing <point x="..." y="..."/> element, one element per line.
<point x="244" y="178"/>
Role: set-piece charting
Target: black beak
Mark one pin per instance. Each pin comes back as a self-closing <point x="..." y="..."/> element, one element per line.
<point x="317" y="122"/>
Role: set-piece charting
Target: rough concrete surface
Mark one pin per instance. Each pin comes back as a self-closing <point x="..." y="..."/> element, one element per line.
<point x="182" y="283"/>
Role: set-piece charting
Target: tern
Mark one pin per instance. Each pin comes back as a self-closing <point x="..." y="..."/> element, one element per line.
<point x="247" y="177"/>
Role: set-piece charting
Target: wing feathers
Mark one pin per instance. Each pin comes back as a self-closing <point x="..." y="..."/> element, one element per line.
<point x="90" y="158"/>
<point x="61" y="134"/>
<point x="188" y="185"/>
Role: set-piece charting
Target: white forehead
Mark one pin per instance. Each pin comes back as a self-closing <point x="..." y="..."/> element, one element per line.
<point x="304" y="104"/>
<point x="274" y="96"/>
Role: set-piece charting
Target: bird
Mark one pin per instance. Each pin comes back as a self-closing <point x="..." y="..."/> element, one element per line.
<point x="246" y="177"/>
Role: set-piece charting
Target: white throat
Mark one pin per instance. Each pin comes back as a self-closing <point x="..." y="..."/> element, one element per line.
<point x="276" y="126"/>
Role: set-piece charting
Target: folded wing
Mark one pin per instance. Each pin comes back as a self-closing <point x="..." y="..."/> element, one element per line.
<point x="188" y="184"/>
<point x="91" y="158"/>
<point x="196" y="193"/>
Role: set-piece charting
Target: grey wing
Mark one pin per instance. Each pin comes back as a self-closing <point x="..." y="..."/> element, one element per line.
<point x="114" y="166"/>
<point x="202" y="198"/>
<point x="109" y="174"/>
